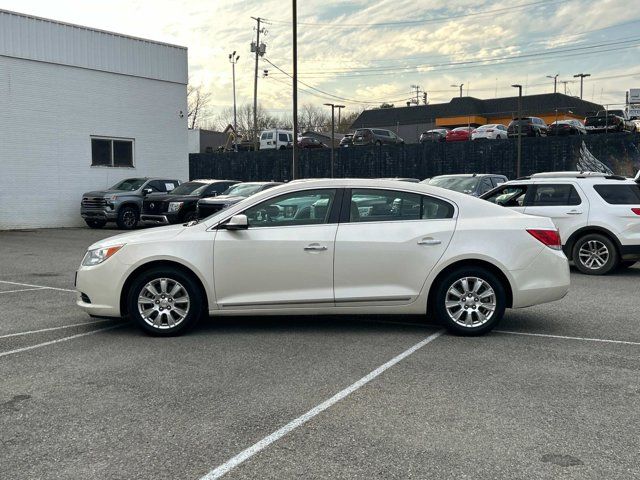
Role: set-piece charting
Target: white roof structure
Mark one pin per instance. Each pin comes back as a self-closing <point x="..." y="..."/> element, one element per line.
<point x="33" y="38"/>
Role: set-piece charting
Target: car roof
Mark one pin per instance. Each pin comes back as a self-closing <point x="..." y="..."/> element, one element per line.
<point x="469" y="175"/>
<point x="582" y="177"/>
<point x="211" y="180"/>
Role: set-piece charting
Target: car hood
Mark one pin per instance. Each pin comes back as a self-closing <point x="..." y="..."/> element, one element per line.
<point x="107" y="193"/>
<point x="141" y="236"/>
<point x="167" y="197"/>
<point x="222" y="199"/>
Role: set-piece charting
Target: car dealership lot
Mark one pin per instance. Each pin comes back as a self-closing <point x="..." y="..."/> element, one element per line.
<point x="88" y="398"/>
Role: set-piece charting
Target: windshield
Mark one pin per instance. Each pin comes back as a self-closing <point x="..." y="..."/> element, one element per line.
<point x="243" y="189"/>
<point x="458" y="184"/>
<point x="129" y="185"/>
<point x="190" y="188"/>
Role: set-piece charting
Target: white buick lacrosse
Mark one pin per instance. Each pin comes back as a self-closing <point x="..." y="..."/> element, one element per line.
<point x="331" y="247"/>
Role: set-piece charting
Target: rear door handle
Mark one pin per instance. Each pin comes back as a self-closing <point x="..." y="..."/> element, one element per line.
<point x="315" y="247"/>
<point x="574" y="212"/>
<point x="429" y="241"/>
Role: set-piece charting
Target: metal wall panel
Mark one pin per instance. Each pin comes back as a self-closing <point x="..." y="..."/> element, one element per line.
<point x="33" y="38"/>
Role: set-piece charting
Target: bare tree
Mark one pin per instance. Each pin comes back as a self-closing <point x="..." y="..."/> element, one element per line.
<point x="197" y="102"/>
<point x="347" y="119"/>
<point x="311" y="117"/>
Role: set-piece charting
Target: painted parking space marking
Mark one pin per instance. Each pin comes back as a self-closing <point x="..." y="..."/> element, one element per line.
<point x="22" y="290"/>
<point x="59" y="340"/>
<point x="53" y="328"/>
<point x="567" y="337"/>
<point x="37" y="287"/>
<point x="301" y="420"/>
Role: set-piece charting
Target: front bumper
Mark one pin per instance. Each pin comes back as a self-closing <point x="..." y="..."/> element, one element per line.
<point x="155" y="219"/>
<point x="98" y="214"/>
<point x="97" y="292"/>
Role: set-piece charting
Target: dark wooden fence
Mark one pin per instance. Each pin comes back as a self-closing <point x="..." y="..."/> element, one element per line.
<point x="618" y="152"/>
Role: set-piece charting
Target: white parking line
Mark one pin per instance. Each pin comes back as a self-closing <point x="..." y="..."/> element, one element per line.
<point x="301" y="420"/>
<point x="37" y="287"/>
<point x="64" y="339"/>
<point x="566" y="337"/>
<point x="22" y="290"/>
<point x="53" y="328"/>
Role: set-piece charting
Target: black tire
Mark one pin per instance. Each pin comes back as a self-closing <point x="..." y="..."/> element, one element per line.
<point x="194" y="307"/>
<point x="586" y="247"/>
<point x="96" y="223"/>
<point x="378" y="143"/>
<point x="128" y="217"/>
<point x="470" y="307"/>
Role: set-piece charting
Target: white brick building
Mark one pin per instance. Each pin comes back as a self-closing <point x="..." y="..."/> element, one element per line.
<point x="81" y="109"/>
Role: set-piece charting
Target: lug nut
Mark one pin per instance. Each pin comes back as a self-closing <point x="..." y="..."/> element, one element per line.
<point x="157" y="302"/>
<point x="161" y="308"/>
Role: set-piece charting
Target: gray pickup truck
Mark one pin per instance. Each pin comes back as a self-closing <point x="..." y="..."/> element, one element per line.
<point x="122" y="203"/>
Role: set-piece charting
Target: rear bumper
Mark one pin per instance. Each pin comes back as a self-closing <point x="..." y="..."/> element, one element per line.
<point x="545" y="280"/>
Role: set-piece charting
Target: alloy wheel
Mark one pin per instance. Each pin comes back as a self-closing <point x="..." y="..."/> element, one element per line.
<point x="163" y="303"/>
<point x="593" y="254"/>
<point x="470" y="302"/>
<point x="129" y="218"/>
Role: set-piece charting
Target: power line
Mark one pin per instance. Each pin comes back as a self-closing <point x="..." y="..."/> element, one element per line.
<point x="425" y="20"/>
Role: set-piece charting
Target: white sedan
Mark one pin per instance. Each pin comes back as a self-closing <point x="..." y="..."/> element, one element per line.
<point x="492" y="131"/>
<point x="331" y="247"/>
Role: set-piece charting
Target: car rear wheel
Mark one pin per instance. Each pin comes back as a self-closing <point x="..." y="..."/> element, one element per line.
<point x="378" y="142"/>
<point x="96" y="223"/>
<point x="128" y="218"/>
<point x="595" y="254"/>
<point x="470" y="301"/>
<point x="165" y="301"/>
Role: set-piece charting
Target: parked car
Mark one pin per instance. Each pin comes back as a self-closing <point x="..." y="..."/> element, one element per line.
<point x="310" y="142"/>
<point x="472" y="184"/>
<point x="347" y="140"/>
<point x="609" y="121"/>
<point x="597" y="215"/>
<point x="531" y="127"/>
<point x="460" y="134"/>
<point x="276" y="139"/>
<point x="235" y="194"/>
<point x="179" y="205"/>
<point x="122" y="203"/>
<point x="402" y="179"/>
<point x="434" y="135"/>
<point x="567" y="127"/>
<point x="491" y="131"/>
<point x="295" y="249"/>
<point x="375" y="136"/>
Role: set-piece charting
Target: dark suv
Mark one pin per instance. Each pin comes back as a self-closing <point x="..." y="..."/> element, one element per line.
<point x="472" y="184"/>
<point x="531" y="127"/>
<point x="235" y="194"/>
<point x="122" y="203"/>
<point x="375" y="136"/>
<point x="179" y="206"/>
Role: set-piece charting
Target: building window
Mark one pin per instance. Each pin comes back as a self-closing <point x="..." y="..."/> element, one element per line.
<point x="111" y="152"/>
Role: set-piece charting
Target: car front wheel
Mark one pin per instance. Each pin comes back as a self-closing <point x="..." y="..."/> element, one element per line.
<point x="165" y="301"/>
<point x="470" y="301"/>
<point x="128" y="218"/>
<point x="595" y="254"/>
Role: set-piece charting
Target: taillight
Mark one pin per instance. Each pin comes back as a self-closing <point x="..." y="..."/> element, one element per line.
<point x="636" y="211"/>
<point x="550" y="238"/>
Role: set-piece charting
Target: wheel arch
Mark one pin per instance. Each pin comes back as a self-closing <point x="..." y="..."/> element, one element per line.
<point x="124" y="291"/>
<point x="129" y="203"/>
<point x="567" y="248"/>
<point x="497" y="271"/>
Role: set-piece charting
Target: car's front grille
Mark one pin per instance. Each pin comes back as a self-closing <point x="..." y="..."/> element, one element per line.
<point x="154" y="206"/>
<point x="94" y="202"/>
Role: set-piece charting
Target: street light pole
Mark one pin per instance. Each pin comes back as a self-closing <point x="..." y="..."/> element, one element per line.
<point x="581" y="76"/>
<point x="519" y="87"/>
<point x="233" y="58"/>
<point x="555" y="82"/>
<point x="339" y="107"/>
<point x="294" y="28"/>
<point x="333" y="132"/>
<point x="458" y="86"/>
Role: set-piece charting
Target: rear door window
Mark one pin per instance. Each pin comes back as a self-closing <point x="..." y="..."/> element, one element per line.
<point x="371" y="205"/>
<point x="619" y="194"/>
<point x="552" y="195"/>
<point x="283" y="137"/>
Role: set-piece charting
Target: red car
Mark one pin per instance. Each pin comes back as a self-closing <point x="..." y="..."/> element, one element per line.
<point x="460" y="134"/>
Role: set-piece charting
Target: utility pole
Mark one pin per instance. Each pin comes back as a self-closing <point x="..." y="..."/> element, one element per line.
<point x="259" y="49"/>
<point x="333" y="132"/>
<point x="339" y="107"/>
<point x="417" y="87"/>
<point x="581" y="76"/>
<point x="294" y="28"/>
<point x="555" y="82"/>
<point x="458" y="86"/>
<point x="233" y="58"/>
<point x="519" y="87"/>
<point x="565" y="85"/>
<point x="424" y="98"/>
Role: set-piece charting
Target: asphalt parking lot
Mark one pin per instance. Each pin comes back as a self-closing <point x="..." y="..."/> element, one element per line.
<point x="555" y="393"/>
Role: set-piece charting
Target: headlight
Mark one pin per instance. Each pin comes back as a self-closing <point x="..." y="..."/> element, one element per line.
<point x="175" y="206"/>
<point x="99" y="255"/>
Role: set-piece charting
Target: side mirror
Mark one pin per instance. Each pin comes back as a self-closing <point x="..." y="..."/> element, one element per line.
<point x="237" y="222"/>
<point x="147" y="191"/>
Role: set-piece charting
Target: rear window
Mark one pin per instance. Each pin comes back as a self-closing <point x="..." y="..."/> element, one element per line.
<point x="619" y="194"/>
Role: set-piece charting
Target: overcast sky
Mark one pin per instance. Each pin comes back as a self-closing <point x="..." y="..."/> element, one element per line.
<point x="425" y="43"/>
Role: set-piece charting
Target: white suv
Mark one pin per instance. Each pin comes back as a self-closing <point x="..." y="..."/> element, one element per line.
<point x="598" y="215"/>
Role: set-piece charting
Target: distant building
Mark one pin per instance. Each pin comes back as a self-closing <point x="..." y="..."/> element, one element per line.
<point x="207" y="141"/>
<point x="82" y="109"/>
<point x="410" y="122"/>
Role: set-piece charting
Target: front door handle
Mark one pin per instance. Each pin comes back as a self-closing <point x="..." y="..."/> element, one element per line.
<point x="574" y="212"/>
<point x="429" y="241"/>
<point x="315" y="247"/>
